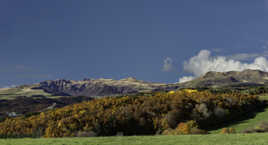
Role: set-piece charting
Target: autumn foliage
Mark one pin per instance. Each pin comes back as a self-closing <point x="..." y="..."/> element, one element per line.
<point x="181" y="112"/>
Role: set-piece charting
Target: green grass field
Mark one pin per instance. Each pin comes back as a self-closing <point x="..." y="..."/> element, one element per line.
<point x="215" y="139"/>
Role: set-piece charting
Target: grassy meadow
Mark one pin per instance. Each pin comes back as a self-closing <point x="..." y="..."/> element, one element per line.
<point x="214" y="139"/>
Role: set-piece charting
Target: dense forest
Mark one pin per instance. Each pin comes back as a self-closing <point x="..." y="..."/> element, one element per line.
<point x="174" y="112"/>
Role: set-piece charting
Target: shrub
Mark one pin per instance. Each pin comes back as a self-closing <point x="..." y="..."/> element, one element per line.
<point x="185" y="128"/>
<point x="183" y="112"/>
<point x="174" y="117"/>
<point x="189" y="127"/>
<point x="202" y="110"/>
<point x="220" y="112"/>
<point x="228" y="131"/>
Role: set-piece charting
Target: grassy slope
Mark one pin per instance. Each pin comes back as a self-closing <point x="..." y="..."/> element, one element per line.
<point x="262" y="116"/>
<point x="235" y="139"/>
<point x="12" y="93"/>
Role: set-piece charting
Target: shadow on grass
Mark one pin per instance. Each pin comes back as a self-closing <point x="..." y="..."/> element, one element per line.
<point x="236" y="118"/>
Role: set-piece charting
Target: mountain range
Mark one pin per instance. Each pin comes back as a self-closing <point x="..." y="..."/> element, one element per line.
<point x="58" y="93"/>
<point x="108" y="87"/>
<point x="99" y="87"/>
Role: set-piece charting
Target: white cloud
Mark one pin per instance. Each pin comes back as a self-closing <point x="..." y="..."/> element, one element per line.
<point x="186" y="79"/>
<point x="168" y="64"/>
<point x="203" y="62"/>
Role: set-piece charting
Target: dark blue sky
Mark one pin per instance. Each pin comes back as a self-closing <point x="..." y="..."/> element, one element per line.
<point x="74" y="39"/>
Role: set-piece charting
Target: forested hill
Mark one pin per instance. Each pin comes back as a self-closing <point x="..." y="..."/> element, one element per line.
<point x="180" y="112"/>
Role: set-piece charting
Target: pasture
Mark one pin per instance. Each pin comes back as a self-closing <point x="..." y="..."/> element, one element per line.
<point x="213" y="139"/>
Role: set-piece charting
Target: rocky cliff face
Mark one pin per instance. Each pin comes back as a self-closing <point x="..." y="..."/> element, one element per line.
<point x="99" y="87"/>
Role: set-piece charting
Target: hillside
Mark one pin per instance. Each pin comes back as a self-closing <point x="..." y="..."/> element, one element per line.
<point x="180" y="112"/>
<point x="27" y="99"/>
<point x="86" y="88"/>
<point x="25" y="90"/>
<point x="229" y="79"/>
<point x="251" y="123"/>
<point x="110" y="87"/>
<point x="99" y="87"/>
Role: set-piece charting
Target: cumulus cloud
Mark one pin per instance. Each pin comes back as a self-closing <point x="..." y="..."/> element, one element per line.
<point x="168" y="64"/>
<point x="203" y="62"/>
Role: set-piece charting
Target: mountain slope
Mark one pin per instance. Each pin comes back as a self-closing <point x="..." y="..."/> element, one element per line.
<point x="27" y="99"/>
<point x="231" y="78"/>
<point x="137" y="115"/>
<point x="37" y="97"/>
<point x="99" y="87"/>
<point x="109" y="87"/>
